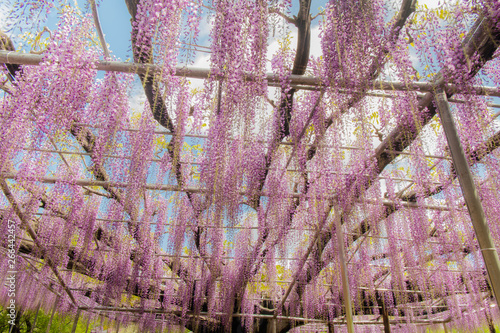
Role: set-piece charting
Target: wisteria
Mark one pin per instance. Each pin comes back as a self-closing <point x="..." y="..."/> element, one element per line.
<point x="304" y="180"/>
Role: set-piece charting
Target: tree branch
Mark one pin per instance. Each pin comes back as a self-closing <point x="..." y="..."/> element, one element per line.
<point x="287" y="18"/>
<point x="25" y="221"/>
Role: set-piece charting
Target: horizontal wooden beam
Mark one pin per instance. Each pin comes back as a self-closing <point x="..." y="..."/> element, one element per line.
<point x="299" y="81"/>
<point x="164" y="311"/>
<point x="191" y="189"/>
<point x="408" y="153"/>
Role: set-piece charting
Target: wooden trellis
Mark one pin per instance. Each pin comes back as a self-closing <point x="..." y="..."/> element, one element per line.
<point x="326" y="234"/>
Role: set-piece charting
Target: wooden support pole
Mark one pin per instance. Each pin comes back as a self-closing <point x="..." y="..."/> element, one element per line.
<point x="343" y="272"/>
<point x="52" y="315"/>
<point x="75" y="322"/>
<point x="36" y="316"/>
<point x="383" y="311"/>
<point x="88" y="323"/>
<point x="97" y="24"/>
<point x="476" y="212"/>
<point x="385" y="318"/>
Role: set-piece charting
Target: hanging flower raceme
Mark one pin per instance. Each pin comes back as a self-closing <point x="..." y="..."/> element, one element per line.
<point x="238" y="48"/>
<point x="221" y="251"/>
<point x="157" y="24"/>
<point x="157" y="32"/>
<point x="60" y="86"/>
<point x="107" y="110"/>
<point x="52" y="94"/>
<point x="351" y="35"/>
<point x="141" y="145"/>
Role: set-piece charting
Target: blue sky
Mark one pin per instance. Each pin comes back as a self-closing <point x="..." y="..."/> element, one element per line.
<point x="115" y="22"/>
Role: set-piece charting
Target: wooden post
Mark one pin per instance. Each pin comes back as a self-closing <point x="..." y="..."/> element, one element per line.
<point x="343" y="272"/>
<point x="36" y="316"/>
<point x="383" y="312"/>
<point x="75" y="322"/>
<point x="385" y="318"/>
<point x="102" y="318"/>
<point x="469" y="191"/>
<point x="88" y="323"/>
<point x="445" y="328"/>
<point x="52" y="315"/>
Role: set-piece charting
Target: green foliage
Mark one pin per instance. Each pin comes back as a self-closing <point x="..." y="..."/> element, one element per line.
<point x="60" y="324"/>
<point x="64" y="324"/>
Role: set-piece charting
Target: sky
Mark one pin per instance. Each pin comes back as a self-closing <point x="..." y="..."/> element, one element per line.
<point x="115" y="22"/>
<point x="116" y="25"/>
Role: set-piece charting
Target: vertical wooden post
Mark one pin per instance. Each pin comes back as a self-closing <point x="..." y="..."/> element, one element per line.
<point x="343" y="272"/>
<point x="117" y="326"/>
<point x="52" y="315"/>
<point x="75" y="322"/>
<point x="445" y="328"/>
<point x="101" y="320"/>
<point x="383" y="312"/>
<point x="88" y="323"/>
<point x="36" y="316"/>
<point x="385" y="318"/>
<point x="469" y="191"/>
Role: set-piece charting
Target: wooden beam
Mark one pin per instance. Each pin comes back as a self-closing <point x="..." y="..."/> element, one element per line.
<point x="191" y="189"/>
<point x="52" y="314"/>
<point x="10" y="57"/>
<point x="476" y="212"/>
<point x="343" y="271"/>
<point x="75" y="321"/>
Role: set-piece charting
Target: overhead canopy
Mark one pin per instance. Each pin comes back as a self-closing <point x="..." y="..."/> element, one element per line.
<point x="221" y="201"/>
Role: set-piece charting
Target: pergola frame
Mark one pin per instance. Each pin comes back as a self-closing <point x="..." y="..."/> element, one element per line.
<point x="298" y="82"/>
<point x="389" y="148"/>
